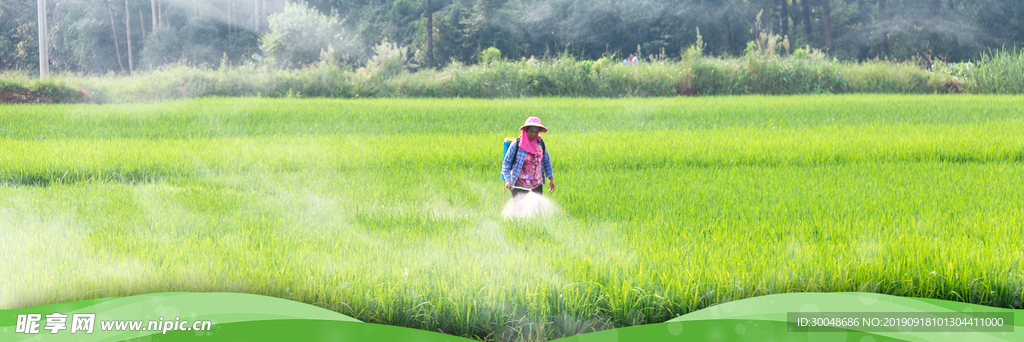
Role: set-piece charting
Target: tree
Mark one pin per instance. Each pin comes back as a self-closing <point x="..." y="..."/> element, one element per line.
<point x="19" y="45"/>
<point x="80" y="33"/>
<point x="113" y="30"/>
<point x="299" y="35"/>
<point x="826" y="22"/>
<point x="883" y="35"/>
<point x="256" y="15"/>
<point x="785" y="16"/>
<point x="806" y="17"/>
<point x="161" y="47"/>
<point x="430" y="36"/>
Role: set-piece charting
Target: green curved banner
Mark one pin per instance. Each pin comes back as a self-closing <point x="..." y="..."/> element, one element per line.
<point x="863" y="317"/>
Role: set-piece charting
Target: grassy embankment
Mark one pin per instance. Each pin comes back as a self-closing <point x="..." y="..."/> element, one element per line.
<point x="999" y="72"/>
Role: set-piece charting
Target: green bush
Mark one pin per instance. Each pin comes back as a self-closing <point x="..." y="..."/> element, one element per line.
<point x="388" y="60"/>
<point x="800" y="54"/>
<point x="490" y="55"/>
<point x="162" y="46"/>
<point x="695" y="51"/>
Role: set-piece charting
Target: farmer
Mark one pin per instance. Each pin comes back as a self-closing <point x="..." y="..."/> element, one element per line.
<point x="527" y="161"/>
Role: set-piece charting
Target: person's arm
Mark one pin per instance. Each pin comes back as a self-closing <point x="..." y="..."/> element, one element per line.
<point x="548" y="170"/>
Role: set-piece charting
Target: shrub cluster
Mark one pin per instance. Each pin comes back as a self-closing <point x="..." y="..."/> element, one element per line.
<point x="392" y="74"/>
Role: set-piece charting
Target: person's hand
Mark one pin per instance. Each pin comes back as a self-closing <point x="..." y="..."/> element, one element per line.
<point x="552" y="189"/>
<point x="508" y="185"/>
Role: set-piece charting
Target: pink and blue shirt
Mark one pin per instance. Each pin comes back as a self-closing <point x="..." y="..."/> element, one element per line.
<point x="529" y="169"/>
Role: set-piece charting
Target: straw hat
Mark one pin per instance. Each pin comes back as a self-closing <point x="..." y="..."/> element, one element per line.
<point x="534" y="121"/>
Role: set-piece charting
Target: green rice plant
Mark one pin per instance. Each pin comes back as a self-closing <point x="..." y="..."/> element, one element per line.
<point x="388" y="210"/>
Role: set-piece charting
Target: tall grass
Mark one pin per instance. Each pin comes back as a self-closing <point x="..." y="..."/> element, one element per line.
<point x="562" y="76"/>
<point x="897" y="78"/>
<point x="388" y="210"/>
<point x="998" y="72"/>
<point x="771" y="75"/>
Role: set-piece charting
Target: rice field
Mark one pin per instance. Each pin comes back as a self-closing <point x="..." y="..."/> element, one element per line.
<point x="390" y="210"/>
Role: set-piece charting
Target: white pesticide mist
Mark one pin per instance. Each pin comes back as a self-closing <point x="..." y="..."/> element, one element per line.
<point x="529" y="205"/>
<point x="47" y="258"/>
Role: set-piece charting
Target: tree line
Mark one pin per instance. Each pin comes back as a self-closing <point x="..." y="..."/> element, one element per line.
<point x="110" y="36"/>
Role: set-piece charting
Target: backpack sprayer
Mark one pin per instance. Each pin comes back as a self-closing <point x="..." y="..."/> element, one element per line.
<point x="508" y="143"/>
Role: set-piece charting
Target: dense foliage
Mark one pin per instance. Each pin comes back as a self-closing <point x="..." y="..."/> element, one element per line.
<point x="83" y="33"/>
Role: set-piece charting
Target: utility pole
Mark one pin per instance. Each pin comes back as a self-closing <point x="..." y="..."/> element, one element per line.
<point x="883" y="50"/>
<point x="128" y="30"/>
<point x="142" y="24"/>
<point x="152" y="8"/>
<point x="826" y="19"/>
<point x="44" y="47"/>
